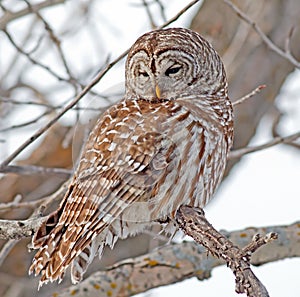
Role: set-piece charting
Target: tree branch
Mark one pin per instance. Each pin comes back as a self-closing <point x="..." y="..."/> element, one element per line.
<point x="10" y="229"/>
<point x="286" y="54"/>
<point x="193" y="222"/>
<point x="176" y="262"/>
<point x="32" y="169"/>
<point x="248" y="96"/>
<point x="39" y="204"/>
<point x="56" y="41"/>
<point x="251" y="149"/>
<point x="32" y="60"/>
<point x="11" y="16"/>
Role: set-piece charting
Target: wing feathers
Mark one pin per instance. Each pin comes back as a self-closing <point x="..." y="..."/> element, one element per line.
<point x="115" y="172"/>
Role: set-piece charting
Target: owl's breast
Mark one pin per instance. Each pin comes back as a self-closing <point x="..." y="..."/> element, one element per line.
<point x="198" y="161"/>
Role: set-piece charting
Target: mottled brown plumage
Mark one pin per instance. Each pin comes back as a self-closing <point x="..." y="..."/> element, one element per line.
<point x="164" y="145"/>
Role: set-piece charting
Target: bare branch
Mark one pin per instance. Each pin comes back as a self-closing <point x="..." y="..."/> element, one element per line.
<point x="6" y="248"/>
<point x="32" y="169"/>
<point x="176" y="262"/>
<point x="56" y="42"/>
<point x="193" y="222"/>
<point x="277" y="140"/>
<point x="27" y="123"/>
<point x="19" y="229"/>
<point x="149" y="14"/>
<point x="49" y="106"/>
<point x="11" y="16"/>
<point x="249" y="95"/>
<point x="162" y="9"/>
<point x="32" y="60"/>
<point x="276" y="120"/>
<point x="179" y="14"/>
<point x="286" y="54"/>
<point x="42" y="203"/>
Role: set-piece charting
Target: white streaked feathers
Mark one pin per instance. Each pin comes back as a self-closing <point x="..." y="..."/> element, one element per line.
<point x="146" y="156"/>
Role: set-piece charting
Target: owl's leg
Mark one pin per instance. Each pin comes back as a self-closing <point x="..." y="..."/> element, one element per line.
<point x="169" y="228"/>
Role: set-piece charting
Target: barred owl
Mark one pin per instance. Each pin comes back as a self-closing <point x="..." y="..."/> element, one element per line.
<point x="164" y="145"/>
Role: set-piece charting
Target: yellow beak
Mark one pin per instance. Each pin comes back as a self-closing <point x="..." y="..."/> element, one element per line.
<point x="157" y="91"/>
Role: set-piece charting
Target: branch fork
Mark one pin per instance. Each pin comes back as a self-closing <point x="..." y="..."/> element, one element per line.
<point x="193" y="223"/>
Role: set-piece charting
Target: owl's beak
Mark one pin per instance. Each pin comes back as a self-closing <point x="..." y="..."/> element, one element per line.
<point x="157" y="92"/>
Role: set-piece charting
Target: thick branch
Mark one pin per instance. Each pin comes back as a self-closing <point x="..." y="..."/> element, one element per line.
<point x="193" y="222"/>
<point x="176" y="262"/>
<point x="19" y="229"/>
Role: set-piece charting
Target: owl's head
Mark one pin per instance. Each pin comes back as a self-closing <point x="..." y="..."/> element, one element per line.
<point x="174" y="63"/>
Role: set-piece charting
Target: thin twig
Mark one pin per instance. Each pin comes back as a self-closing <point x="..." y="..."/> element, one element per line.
<point x="149" y="14"/>
<point x="257" y="242"/>
<point x="27" y="123"/>
<point x="47" y="105"/>
<point x="56" y="42"/>
<point x="63" y="111"/>
<point x="179" y="14"/>
<point x="32" y="169"/>
<point x="286" y="54"/>
<point x="11" y="16"/>
<point x="32" y="60"/>
<point x="39" y="204"/>
<point x="6" y="248"/>
<point x="276" y="120"/>
<point x="16" y="55"/>
<point x="162" y="10"/>
<point x="249" y="95"/>
<point x="277" y="140"/>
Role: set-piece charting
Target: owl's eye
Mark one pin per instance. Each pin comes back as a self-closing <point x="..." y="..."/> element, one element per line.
<point x="173" y="70"/>
<point x="143" y="73"/>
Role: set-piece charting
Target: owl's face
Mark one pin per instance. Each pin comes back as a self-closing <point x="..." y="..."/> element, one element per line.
<point x="173" y="63"/>
<point x="161" y="76"/>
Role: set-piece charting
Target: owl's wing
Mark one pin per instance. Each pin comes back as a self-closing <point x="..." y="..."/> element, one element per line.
<point x="114" y="172"/>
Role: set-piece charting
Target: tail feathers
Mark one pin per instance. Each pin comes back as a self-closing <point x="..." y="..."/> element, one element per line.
<point x="84" y="259"/>
<point x="44" y="256"/>
<point x="60" y="246"/>
<point x="81" y="263"/>
<point x="51" y="259"/>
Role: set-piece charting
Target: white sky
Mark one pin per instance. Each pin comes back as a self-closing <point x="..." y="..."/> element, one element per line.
<point x="263" y="188"/>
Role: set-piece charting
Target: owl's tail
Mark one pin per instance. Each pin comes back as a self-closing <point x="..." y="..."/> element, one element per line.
<point x="60" y="245"/>
<point x="46" y="240"/>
